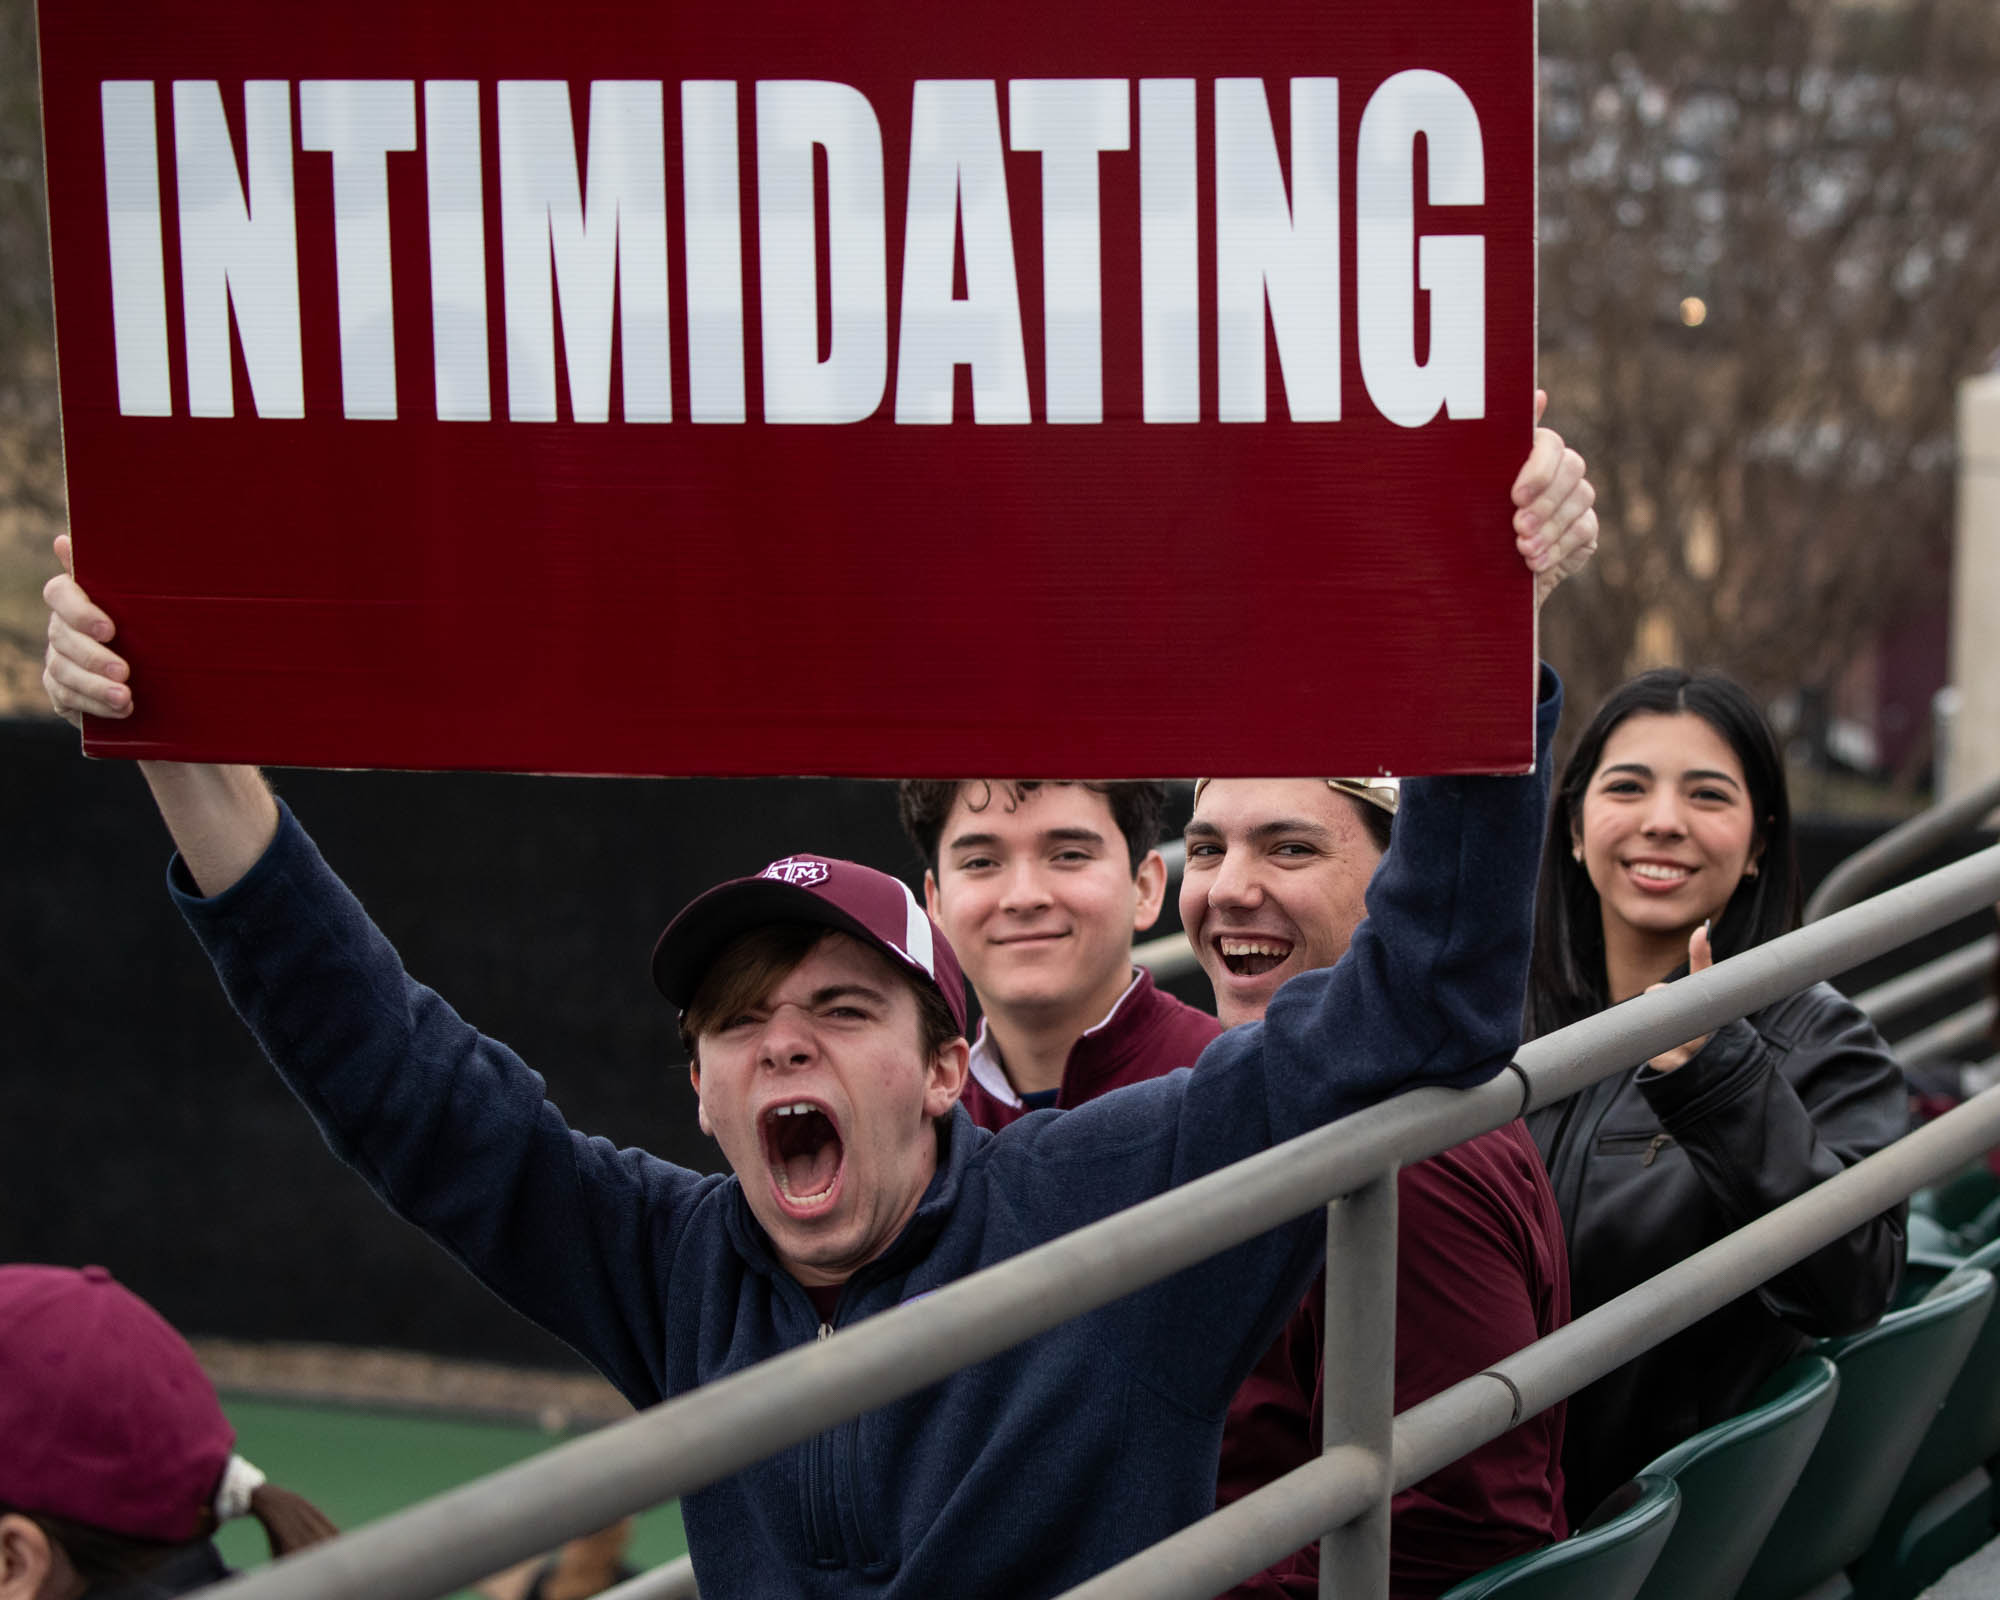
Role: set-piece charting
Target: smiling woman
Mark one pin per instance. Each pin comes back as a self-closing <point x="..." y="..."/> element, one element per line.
<point x="1670" y="846"/>
<point x="1666" y="833"/>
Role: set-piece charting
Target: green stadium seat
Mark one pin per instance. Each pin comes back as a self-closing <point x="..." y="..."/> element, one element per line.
<point x="1944" y="1508"/>
<point x="1962" y="1198"/>
<point x="1923" y="1271"/>
<point x="1982" y="1230"/>
<point x="1928" y="1236"/>
<point x="1734" y="1479"/>
<point x="1892" y="1380"/>
<point x="1606" y="1559"/>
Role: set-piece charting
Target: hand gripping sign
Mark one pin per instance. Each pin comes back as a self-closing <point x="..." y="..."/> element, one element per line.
<point x="1124" y="389"/>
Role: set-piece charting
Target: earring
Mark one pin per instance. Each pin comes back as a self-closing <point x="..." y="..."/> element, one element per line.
<point x="1576" y="852"/>
<point x="1750" y="871"/>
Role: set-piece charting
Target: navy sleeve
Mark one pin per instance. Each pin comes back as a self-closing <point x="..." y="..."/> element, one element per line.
<point x="449" y="1127"/>
<point x="1430" y="992"/>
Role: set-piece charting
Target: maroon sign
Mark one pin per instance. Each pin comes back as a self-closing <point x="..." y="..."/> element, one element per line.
<point x="1125" y="389"/>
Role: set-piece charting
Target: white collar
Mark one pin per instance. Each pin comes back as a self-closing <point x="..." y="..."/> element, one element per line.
<point x="992" y="1077"/>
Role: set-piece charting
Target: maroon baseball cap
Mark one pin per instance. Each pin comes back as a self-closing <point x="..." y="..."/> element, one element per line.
<point x="871" y="905"/>
<point x="106" y="1418"/>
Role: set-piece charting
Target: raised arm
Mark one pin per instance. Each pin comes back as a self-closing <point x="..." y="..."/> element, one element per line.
<point x="1431" y="987"/>
<point x="1430" y="992"/>
<point x="222" y="818"/>
<point x="449" y="1127"/>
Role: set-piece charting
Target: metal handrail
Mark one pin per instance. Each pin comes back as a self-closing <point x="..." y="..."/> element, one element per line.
<point x="708" y="1433"/>
<point x="694" y="1439"/>
<point x="1627" y="1034"/>
<point x="1359" y="1343"/>
<point x="1902" y="846"/>
<point x="673" y="1581"/>
<point x="1913" y="988"/>
<point x="1170" y="956"/>
<point x="1244" y="1538"/>
<point x="1942" y="1040"/>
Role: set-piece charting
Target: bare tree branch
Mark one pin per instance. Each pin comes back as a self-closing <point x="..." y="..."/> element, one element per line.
<point x="1776" y="459"/>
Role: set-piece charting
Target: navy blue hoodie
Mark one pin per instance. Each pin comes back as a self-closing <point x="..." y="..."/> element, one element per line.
<point x="1021" y="1476"/>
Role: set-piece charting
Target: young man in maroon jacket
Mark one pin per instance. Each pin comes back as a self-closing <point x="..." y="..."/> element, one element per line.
<point x="1040" y="887"/>
<point x="1276" y="874"/>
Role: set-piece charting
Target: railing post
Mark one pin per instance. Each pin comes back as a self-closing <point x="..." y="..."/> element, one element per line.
<point x="1361" y="1377"/>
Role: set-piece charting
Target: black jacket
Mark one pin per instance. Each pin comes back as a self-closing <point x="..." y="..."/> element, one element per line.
<point x="1649" y="1167"/>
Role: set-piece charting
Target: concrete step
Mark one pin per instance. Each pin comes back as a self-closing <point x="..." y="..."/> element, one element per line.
<point x="1977" y="1577"/>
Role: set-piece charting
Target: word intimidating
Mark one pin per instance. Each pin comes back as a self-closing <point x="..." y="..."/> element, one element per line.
<point x="585" y="245"/>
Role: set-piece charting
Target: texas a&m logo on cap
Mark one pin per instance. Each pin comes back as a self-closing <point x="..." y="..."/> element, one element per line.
<point x="874" y="906"/>
<point x="802" y="874"/>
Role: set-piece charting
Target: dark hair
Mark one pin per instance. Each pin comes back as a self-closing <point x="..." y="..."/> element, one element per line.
<point x="1566" y="978"/>
<point x="99" y="1555"/>
<point x="1138" y="806"/>
<point x="752" y="964"/>
<point x="103" y="1557"/>
<point x="1377" y="823"/>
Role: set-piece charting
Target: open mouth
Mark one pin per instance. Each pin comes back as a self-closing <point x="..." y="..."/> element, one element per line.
<point x="1659" y="874"/>
<point x="1251" y="958"/>
<point x="803" y="1147"/>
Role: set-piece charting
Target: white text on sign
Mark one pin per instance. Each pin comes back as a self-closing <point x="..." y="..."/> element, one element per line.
<point x="586" y="245"/>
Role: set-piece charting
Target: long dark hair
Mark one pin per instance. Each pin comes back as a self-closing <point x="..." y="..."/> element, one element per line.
<point x="1566" y="978"/>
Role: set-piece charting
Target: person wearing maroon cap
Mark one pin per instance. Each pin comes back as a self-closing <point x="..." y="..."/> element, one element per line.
<point x="825" y="1015"/>
<point x="797" y="988"/>
<point x="116" y="1462"/>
